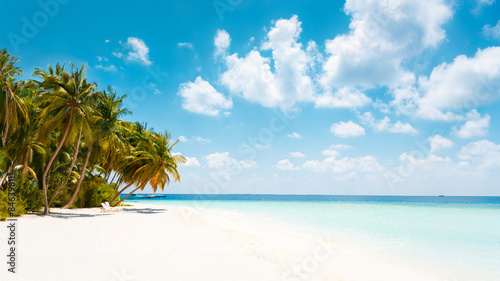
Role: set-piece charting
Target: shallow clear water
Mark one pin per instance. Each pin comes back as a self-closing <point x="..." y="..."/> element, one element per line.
<point x="459" y="240"/>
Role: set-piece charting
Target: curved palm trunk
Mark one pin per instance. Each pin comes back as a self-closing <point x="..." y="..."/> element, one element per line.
<point x="123" y="199"/>
<point x="80" y="180"/>
<point x="7" y="121"/>
<point x="70" y="168"/>
<point x="44" y="178"/>
<point x="121" y="191"/>
<point x="7" y="172"/>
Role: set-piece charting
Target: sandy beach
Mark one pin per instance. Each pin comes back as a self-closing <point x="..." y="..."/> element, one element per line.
<point x="147" y="242"/>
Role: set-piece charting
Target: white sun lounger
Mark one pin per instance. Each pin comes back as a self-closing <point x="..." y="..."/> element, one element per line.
<point x="107" y="208"/>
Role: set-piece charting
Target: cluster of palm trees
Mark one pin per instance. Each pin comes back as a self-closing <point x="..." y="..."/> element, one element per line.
<point x="61" y="123"/>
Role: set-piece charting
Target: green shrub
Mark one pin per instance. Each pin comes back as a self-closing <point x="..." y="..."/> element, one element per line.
<point x="93" y="192"/>
<point x="29" y="194"/>
<point x="4" y="206"/>
<point x="62" y="198"/>
<point x="19" y="205"/>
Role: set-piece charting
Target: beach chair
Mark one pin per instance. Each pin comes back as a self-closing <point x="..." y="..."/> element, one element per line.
<point x="107" y="208"/>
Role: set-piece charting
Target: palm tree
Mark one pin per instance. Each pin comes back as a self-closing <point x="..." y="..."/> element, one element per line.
<point x="8" y="70"/>
<point x="155" y="163"/>
<point x="17" y="118"/>
<point x="112" y="139"/>
<point x="65" y="102"/>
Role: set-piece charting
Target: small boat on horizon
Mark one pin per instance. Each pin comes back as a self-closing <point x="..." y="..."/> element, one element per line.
<point x="441" y="195"/>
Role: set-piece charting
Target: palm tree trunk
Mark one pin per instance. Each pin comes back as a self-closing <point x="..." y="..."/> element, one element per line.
<point x="123" y="189"/>
<point x="70" y="168"/>
<point x="7" y="121"/>
<point x="123" y="199"/>
<point x="113" y="178"/>
<point x="7" y="172"/>
<point x="44" y="178"/>
<point x="118" y="182"/>
<point x="80" y="180"/>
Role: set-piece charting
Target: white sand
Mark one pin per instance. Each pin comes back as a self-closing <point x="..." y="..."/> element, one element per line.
<point x="147" y="242"/>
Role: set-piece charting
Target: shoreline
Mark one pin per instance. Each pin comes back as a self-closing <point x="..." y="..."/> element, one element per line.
<point x="154" y="242"/>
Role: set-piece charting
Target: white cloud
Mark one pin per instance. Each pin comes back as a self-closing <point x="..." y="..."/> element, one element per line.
<point x="285" y="164"/>
<point x="200" y="139"/>
<point x="439" y="143"/>
<point x="477" y="127"/>
<point x="346" y="164"/>
<point x="333" y="150"/>
<point x="343" y="98"/>
<point x="382" y="35"/>
<point x="157" y="92"/>
<point x="480" y="4"/>
<point x="99" y="58"/>
<point x="492" y="31"/>
<point x="297" y="154"/>
<point x="106" y="68"/>
<point x="253" y="78"/>
<point x="200" y="97"/>
<point x="347" y="129"/>
<point x="464" y="83"/>
<point x="482" y="154"/>
<point x="106" y="41"/>
<point x="385" y="125"/>
<point x="222" y="41"/>
<point x="191" y="162"/>
<point x="222" y="161"/>
<point x="185" y="45"/>
<point x="139" y="52"/>
<point x="409" y="160"/>
<point x="294" y="135"/>
<point x="195" y="139"/>
<point x="117" y="54"/>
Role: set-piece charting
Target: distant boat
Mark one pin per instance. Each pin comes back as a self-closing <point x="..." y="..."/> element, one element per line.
<point x="151" y="196"/>
<point x="441" y="195"/>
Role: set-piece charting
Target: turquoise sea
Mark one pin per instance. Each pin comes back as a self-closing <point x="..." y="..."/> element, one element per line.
<point x="457" y="237"/>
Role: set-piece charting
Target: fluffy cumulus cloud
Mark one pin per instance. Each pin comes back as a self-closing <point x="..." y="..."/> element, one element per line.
<point x="492" y="31"/>
<point x="464" y="83"/>
<point x="202" y="98"/>
<point x="439" y="143"/>
<point x="483" y="155"/>
<point x="222" y="161"/>
<point x="222" y="41"/>
<point x="453" y="88"/>
<point x="385" y="125"/>
<point x="476" y="127"/>
<point x="279" y="81"/>
<point x="139" y="51"/>
<point x="191" y="162"/>
<point x="347" y="129"/>
<point x="383" y="34"/>
<point x="285" y="164"/>
<point x="343" y="98"/>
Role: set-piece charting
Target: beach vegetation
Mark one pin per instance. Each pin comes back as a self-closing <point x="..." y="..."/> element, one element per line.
<point x="65" y="141"/>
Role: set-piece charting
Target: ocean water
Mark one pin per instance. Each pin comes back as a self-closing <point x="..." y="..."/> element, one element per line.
<point x="456" y="237"/>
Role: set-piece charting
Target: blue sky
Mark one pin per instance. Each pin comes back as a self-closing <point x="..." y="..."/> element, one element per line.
<point x="293" y="97"/>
